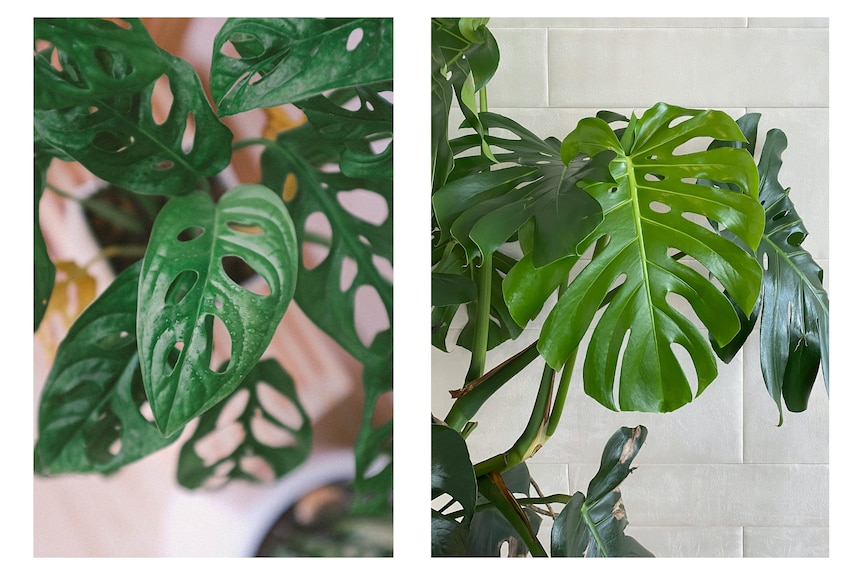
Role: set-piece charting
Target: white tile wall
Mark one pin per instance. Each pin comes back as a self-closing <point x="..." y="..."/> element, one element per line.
<point x="717" y="478"/>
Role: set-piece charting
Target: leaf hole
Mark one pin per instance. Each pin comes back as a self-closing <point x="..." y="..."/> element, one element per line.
<point x="365" y="205"/>
<point x="115" y="341"/>
<point x="219" y="443"/>
<point x="242" y="274"/>
<point x="220" y="352"/>
<point x="317" y="239"/>
<point x="679" y="120"/>
<point x="188" y="141"/>
<point x="233" y="408"/>
<point x="161" y="100"/>
<point x="255" y="78"/>
<point x="220" y="475"/>
<point x="268" y="433"/>
<point x="653" y="177"/>
<point x="190" y="233"/>
<point x="382" y="409"/>
<point x="383" y="267"/>
<point x="180" y="287"/>
<point x="113" y="63"/>
<point x="659" y="207"/>
<point x="257" y="467"/>
<point x="354" y="39"/>
<point x="796" y="238"/>
<point x="279" y="406"/>
<point x="112" y="143"/>
<point x="218" y="303"/>
<point x="243" y="228"/>
<point x="290" y="187"/>
<point x="686" y="363"/>
<point x="370" y="316"/>
<point x="352" y="105"/>
<point x="348" y="273"/>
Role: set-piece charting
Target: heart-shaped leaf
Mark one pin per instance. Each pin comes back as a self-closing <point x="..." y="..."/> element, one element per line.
<point x="119" y="140"/>
<point x="647" y="220"/>
<point x="91" y="413"/>
<point x="185" y="287"/>
<point x="454" y="483"/>
<point x="81" y="60"/>
<point x="262" y="420"/>
<point x="593" y="526"/>
<point x="276" y="61"/>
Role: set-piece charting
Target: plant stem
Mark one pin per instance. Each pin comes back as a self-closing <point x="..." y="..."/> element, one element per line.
<point x="483" y="318"/>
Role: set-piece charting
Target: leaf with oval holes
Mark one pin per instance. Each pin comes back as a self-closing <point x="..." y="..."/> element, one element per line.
<point x="283" y="60"/>
<point x="95" y="59"/>
<point x="90" y="411"/>
<point x="119" y="140"/>
<point x="349" y="220"/>
<point x="647" y="220"/>
<point x="453" y="485"/>
<point x="185" y="288"/>
<point x="593" y="525"/>
<point x="259" y="432"/>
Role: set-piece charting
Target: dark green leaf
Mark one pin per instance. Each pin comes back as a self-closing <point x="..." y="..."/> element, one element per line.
<point x="593" y="526"/>
<point x="284" y="60"/>
<point x="95" y="59"/>
<point x="90" y="412"/>
<point x="118" y="139"/>
<point x="271" y="432"/>
<point x="453" y="482"/>
<point x="450" y="289"/>
<point x="184" y="288"/>
<point x="645" y="224"/>
<point x="43" y="267"/>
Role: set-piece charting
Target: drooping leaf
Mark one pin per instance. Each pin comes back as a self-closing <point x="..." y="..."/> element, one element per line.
<point x="118" y="139"/>
<point x="483" y="210"/>
<point x="95" y="59"/>
<point x="184" y="288"/>
<point x="284" y="60"/>
<point x="593" y="525"/>
<point x="793" y="307"/>
<point x="270" y="432"/>
<point x="91" y="413"/>
<point x="44" y="271"/>
<point x="646" y="222"/>
<point x="454" y="483"/>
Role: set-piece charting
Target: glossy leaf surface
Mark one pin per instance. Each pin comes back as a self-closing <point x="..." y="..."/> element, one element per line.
<point x="593" y="525"/>
<point x="184" y="288"/>
<point x="119" y="140"/>
<point x="262" y="420"/>
<point x="483" y="210"/>
<point x="80" y="60"/>
<point x="43" y="269"/>
<point x="453" y="483"/>
<point x="648" y="211"/>
<point x="91" y="413"/>
<point x="282" y="60"/>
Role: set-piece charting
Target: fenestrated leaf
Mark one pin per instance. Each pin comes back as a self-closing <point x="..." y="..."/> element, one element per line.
<point x="90" y="417"/>
<point x="118" y="139"/>
<point x="593" y="525"/>
<point x="354" y="239"/>
<point x="184" y="287"/>
<point x="95" y="59"/>
<point x="271" y="425"/>
<point x="453" y="481"/>
<point x="645" y="224"/>
<point x="283" y="60"/>
<point x="483" y="210"/>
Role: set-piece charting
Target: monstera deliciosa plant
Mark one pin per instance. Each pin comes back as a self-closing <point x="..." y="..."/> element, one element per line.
<point x="682" y="247"/>
<point x="137" y="366"/>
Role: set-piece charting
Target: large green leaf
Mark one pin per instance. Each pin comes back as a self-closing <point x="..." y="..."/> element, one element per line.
<point x="184" y="288"/>
<point x="271" y="425"/>
<point x="283" y="60"/>
<point x="95" y="59"/>
<point x="647" y="220"/>
<point x="593" y="525"/>
<point x="354" y="239"/>
<point x="483" y="210"/>
<point x="90" y="412"/>
<point x="118" y="139"/>
<point x="454" y="483"/>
